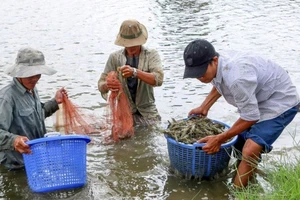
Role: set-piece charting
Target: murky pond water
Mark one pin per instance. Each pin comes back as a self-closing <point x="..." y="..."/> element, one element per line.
<point x="77" y="36"/>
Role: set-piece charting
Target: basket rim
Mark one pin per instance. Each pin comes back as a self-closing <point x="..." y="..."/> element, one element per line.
<point x="196" y="144"/>
<point x="63" y="137"/>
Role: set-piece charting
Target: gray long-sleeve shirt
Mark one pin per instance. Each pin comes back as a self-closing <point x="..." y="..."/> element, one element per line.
<point x="21" y="114"/>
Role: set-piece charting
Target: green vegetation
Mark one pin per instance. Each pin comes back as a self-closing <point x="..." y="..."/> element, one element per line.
<point x="283" y="185"/>
<point x="280" y="179"/>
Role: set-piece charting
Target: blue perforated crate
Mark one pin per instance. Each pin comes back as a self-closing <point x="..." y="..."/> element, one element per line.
<point x="56" y="163"/>
<point x="191" y="160"/>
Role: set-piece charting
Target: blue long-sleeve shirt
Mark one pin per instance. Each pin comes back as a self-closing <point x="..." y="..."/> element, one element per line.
<point x="21" y="114"/>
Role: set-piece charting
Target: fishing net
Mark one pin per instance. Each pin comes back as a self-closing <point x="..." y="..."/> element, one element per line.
<point x="71" y="119"/>
<point x="120" y="116"/>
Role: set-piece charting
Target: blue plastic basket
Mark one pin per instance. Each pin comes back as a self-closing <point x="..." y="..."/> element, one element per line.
<point x="191" y="160"/>
<point x="56" y="163"/>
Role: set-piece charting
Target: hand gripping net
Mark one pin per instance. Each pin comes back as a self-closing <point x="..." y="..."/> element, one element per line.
<point x="120" y="113"/>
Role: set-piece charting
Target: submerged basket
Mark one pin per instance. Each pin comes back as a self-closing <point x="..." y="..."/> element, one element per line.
<point x="190" y="160"/>
<point x="56" y="162"/>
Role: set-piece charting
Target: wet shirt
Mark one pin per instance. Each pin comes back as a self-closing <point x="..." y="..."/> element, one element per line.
<point x="149" y="61"/>
<point x="258" y="87"/>
<point x="22" y="114"/>
<point x="132" y="81"/>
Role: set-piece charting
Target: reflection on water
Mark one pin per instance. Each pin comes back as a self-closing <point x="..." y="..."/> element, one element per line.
<point x="14" y="185"/>
<point x="131" y="168"/>
<point x="77" y="36"/>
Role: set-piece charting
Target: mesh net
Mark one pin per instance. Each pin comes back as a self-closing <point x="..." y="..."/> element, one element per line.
<point x="71" y="119"/>
<point x="120" y="116"/>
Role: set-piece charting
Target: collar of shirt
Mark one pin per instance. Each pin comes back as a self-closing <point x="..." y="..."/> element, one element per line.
<point x="218" y="79"/>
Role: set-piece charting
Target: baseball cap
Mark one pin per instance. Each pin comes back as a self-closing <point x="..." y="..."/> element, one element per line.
<point x="197" y="55"/>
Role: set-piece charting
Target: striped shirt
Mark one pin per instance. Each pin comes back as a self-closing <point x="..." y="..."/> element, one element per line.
<point x="259" y="88"/>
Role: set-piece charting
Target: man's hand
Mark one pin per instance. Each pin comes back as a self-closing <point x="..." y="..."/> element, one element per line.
<point x="199" y="111"/>
<point x="21" y="146"/>
<point x="127" y="71"/>
<point x="113" y="84"/>
<point x="213" y="144"/>
<point x="59" y="95"/>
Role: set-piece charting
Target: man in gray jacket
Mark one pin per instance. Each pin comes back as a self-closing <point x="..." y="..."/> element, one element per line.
<point x="140" y="71"/>
<point x="22" y="114"/>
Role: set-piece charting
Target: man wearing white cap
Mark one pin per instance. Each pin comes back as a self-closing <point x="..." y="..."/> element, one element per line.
<point x="140" y="71"/>
<point x="22" y="114"/>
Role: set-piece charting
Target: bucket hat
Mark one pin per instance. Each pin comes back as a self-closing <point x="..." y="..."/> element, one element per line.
<point x="29" y="62"/>
<point x="197" y="56"/>
<point x="132" y="33"/>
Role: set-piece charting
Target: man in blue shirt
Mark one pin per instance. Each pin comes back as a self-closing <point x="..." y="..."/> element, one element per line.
<point x="22" y="114"/>
<point x="261" y="90"/>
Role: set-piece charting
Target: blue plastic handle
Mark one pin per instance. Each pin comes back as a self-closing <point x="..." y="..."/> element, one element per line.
<point x="196" y="144"/>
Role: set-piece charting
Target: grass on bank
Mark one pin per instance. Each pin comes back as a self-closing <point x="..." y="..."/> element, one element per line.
<point x="284" y="184"/>
<point x="281" y="181"/>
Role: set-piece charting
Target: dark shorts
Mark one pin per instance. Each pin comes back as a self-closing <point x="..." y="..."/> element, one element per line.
<point x="266" y="132"/>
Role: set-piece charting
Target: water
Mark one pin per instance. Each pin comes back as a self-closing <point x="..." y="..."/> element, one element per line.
<point x="77" y="36"/>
